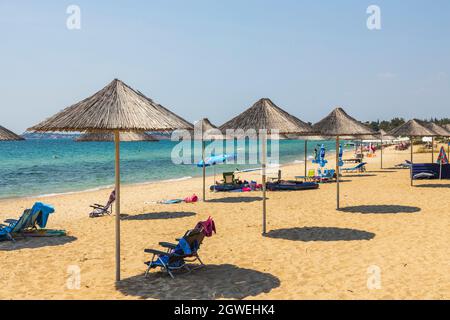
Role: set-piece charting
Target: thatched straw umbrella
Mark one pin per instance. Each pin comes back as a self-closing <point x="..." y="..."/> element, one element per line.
<point x="109" y="137"/>
<point x="412" y="128"/>
<point x="116" y="108"/>
<point x="204" y="130"/>
<point x="438" y="130"/>
<point x="8" y="135"/>
<point x="266" y="117"/>
<point x="337" y="124"/>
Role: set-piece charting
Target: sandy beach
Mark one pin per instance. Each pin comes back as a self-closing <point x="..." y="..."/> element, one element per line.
<point x="312" y="251"/>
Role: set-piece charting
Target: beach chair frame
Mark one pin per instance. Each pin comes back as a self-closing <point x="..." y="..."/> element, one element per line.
<point x="167" y="267"/>
<point x="15" y="226"/>
<point x="191" y="236"/>
<point x="101" y="210"/>
<point x="361" y="167"/>
<point x="310" y="176"/>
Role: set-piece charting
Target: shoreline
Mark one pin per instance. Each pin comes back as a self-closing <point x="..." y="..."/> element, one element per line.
<point x="81" y="181"/>
<point x="106" y="187"/>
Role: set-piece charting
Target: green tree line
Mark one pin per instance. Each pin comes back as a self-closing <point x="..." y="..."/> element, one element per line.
<point x="388" y="125"/>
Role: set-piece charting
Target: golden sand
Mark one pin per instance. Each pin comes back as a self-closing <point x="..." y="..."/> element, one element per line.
<point x="311" y="252"/>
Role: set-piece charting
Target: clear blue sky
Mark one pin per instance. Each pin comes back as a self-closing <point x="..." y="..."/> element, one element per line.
<point x="215" y="58"/>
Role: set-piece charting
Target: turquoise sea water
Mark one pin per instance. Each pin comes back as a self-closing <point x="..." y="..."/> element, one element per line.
<point x="41" y="167"/>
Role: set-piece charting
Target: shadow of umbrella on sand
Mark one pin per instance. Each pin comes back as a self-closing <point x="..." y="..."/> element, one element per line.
<point x="223" y="281"/>
<point x="308" y="234"/>
<point x="115" y="109"/>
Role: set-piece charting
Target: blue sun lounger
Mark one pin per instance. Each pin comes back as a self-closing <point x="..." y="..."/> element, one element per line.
<point x="405" y="165"/>
<point x="361" y="167"/>
<point x="177" y="255"/>
<point x="28" y="221"/>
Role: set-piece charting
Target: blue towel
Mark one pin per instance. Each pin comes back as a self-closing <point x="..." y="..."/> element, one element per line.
<point x="182" y="248"/>
<point x="45" y="210"/>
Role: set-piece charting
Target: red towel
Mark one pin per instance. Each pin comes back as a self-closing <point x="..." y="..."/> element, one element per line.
<point x="207" y="227"/>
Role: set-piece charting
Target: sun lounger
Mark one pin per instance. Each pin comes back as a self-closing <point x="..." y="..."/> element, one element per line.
<point x="229" y="178"/>
<point x="273" y="174"/>
<point x="27" y="223"/>
<point x="14" y="226"/>
<point x="405" y="165"/>
<point x="328" y="175"/>
<point x="101" y="210"/>
<point x="361" y="167"/>
<point x="178" y="255"/>
<point x="310" y="176"/>
<point x="354" y="160"/>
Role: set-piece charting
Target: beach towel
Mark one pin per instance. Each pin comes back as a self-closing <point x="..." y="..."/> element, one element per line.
<point x="173" y="201"/>
<point x="207" y="227"/>
<point x="191" y="199"/>
<point x="43" y="210"/>
<point x="424" y="175"/>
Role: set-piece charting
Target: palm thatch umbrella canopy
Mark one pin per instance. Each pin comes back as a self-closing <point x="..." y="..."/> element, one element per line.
<point x="412" y="128"/>
<point x="109" y="137"/>
<point x="266" y="117"/>
<point x="116" y="108"/>
<point x="8" y="135"/>
<point x="446" y="127"/>
<point x="437" y="129"/>
<point x="337" y="124"/>
<point x="205" y="130"/>
<point x="385" y="136"/>
<point x="375" y="136"/>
